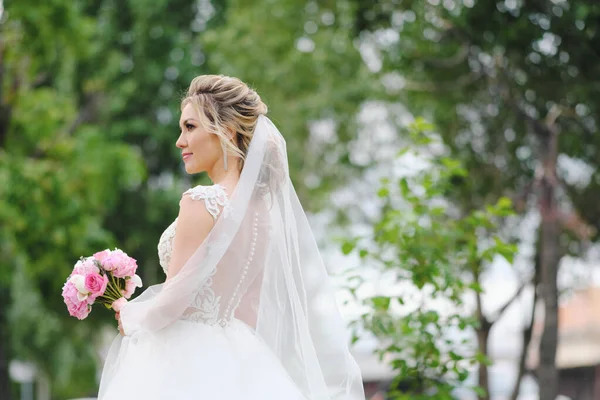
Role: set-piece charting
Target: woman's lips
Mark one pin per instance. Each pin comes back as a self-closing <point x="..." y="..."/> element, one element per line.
<point x="185" y="156"/>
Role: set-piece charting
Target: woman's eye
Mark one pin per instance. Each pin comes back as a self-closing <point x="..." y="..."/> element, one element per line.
<point x="189" y="127"/>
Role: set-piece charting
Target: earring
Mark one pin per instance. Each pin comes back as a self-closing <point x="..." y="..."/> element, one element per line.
<point x="224" y="156"/>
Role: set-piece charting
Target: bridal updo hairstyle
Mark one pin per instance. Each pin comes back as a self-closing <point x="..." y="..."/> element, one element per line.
<point x="226" y="105"/>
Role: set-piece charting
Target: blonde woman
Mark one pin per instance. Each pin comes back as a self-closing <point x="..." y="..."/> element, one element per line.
<point x="246" y="310"/>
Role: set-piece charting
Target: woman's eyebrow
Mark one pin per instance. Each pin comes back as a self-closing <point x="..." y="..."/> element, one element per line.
<point x="186" y="121"/>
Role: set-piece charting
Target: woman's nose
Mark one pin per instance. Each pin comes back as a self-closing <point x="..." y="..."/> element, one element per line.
<point x="180" y="142"/>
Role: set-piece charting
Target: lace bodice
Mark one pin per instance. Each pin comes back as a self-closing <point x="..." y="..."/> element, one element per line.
<point x="206" y="304"/>
<point x="215" y="198"/>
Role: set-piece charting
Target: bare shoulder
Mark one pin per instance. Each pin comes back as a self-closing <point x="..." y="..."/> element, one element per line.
<point x="194" y="223"/>
<point x="193" y="213"/>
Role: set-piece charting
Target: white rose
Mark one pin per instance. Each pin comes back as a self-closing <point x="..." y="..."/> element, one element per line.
<point x="79" y="282"/>
<point x="137" y="281"/>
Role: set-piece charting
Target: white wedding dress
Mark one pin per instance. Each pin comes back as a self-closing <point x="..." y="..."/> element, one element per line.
<point x="251" y="314"/>
<point x="207" y="354"/>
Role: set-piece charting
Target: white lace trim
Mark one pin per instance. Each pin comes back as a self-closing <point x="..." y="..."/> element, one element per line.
<point x="165" y="246"/>
<point x="214" y="197"/>
<point x="205" y="306"/>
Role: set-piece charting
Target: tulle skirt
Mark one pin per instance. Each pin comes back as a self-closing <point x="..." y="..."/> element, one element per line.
<point x="189" y="360"/>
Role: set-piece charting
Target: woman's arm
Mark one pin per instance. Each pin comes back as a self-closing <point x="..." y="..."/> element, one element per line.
<point x="158" y="309"/>
<point x="193" y="226"/>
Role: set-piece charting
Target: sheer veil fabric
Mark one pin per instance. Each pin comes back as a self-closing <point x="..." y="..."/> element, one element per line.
<point x="263" y="267"/>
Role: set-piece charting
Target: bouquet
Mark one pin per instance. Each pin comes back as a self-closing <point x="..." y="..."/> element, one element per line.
<point x="108" y="277"/>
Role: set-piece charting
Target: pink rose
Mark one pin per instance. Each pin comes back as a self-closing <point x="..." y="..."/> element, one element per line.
<point x="110" y="263"/>
<point x="76" y="308"/>
<point x="120" y="264"/>
<point x="96" y="284"/>
<point x="127" y="268"/>
<point x="69" y="293"/>
<point x="118" y="304"/>
<point x="80" y="310"/>
<point x="102" y="255"/>
<point x="84" y="267"/>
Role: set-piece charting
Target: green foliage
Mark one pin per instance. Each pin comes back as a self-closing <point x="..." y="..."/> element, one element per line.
<point x="423" y="241"/>
<point x="496" y="77"/>
<point x="484" y="72"/>
<point x="60" y="176"/>
<point x="302" y="59"/>
<point x="89" y="108"/>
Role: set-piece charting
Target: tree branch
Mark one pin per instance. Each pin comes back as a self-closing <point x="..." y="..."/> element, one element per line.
<point x="527" y="334"/>
<point x="86" y="113"/>
<point x="521" y="198"/>
<point x="452" y="61"/>
<point x="553" y="115"/>
<point x="503" y="309"/>
<point x="539" y="128"/>
<point x="574" y="223"/>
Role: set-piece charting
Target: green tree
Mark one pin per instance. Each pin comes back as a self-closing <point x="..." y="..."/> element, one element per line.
<point x="89" y="103"/>
<point x="512" y="87"/>
<point x="436" y="252"/>
<point x="301" y="58"/>
<point x="60" y="175"/>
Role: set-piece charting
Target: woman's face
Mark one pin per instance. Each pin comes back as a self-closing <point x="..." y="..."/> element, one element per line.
<point x="200" y="149"/>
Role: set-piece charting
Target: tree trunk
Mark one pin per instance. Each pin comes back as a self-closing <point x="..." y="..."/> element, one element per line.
<point x="5" y="392"/>
<point x="482" y="340"/>
<point x="483" y="333"/>
<point x="527" y="333"/>
<point x="521" y="372"/>
<point x="547" y="373"/>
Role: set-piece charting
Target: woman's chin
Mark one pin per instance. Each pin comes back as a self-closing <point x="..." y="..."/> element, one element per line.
<point x="191" y="170"/>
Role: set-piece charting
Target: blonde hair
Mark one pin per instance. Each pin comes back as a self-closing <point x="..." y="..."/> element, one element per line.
<point x="226" y="105"/>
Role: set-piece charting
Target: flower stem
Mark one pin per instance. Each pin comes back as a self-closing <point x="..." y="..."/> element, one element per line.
<point x="113" y="291"/>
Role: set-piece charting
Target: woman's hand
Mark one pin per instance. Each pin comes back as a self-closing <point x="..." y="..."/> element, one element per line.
<point x="118" y="318"/>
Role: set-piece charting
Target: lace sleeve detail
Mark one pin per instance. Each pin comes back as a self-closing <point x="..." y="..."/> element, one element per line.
<point x="214" y="197"/>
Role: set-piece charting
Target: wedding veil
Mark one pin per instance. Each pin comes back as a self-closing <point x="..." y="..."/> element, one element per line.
<point x="263" y="267"/>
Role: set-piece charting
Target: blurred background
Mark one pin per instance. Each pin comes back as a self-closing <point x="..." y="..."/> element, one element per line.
<point x="446" y="152"/>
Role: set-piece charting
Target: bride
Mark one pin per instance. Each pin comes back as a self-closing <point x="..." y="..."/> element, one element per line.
<point x="247" y="310"/>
